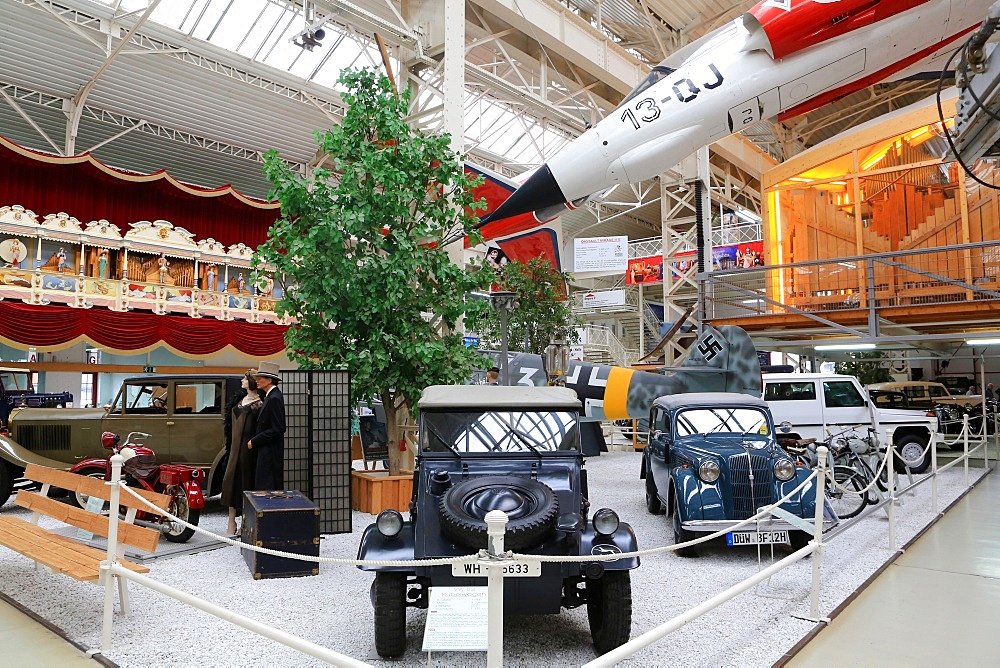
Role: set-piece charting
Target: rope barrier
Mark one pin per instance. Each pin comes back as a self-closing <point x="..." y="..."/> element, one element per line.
<point x="446" y="561"/>
<point x="867" y="488"/>
<point x="761" y="514"/>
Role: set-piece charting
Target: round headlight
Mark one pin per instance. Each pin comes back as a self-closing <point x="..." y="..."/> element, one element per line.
<point x="605" y="521"/>
<point x="389" y="523"/>
<point x="784" y="469"/>
<point x="709" y="470"/>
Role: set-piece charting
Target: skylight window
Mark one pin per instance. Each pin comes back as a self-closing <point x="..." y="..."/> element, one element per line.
<point x="262" y="31"/>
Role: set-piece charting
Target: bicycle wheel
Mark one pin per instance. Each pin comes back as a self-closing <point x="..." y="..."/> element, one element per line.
<point x="846" y="498"/>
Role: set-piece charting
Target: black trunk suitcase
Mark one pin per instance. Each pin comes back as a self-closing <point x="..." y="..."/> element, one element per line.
<point x="280" y="520"/>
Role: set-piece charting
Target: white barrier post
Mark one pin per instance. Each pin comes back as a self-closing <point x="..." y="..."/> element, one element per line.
<point x="965" y="447"/>
<point x="934" y="477"/>
<point x="996" y="430"/>
<point x="496" y="525"/>
<point x="986" y="446"/>
<point x="890" y="474"/>
<point x="818" y="535"/>
<point x="109" y="578"/>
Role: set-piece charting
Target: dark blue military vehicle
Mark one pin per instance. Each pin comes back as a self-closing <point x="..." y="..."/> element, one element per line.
<point x="515" y="449"/>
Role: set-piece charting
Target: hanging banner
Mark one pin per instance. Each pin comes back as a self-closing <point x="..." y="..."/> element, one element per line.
<point x="644" y="270"/>
<point x="649" y="270"/>
<point x="600" y="254"/>
<point x="738" y="256"/>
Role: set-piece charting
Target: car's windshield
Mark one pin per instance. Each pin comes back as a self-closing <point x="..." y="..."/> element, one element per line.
<point x="14" y="380"/>
<point x="150" y="397"/>
<point x="721" y="420"/>
<point x="500" y="431"/>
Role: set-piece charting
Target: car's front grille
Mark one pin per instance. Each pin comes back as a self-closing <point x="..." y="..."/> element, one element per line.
<point x="748" y="497"/>
<point x="42" y="437"/>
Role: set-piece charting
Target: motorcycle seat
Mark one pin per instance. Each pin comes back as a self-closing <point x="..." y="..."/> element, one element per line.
<point x="140" y="466"/>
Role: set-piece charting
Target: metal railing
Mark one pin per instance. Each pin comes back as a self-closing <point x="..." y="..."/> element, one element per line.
<point x="964" y="273"/>
<point x="598" y="337"/>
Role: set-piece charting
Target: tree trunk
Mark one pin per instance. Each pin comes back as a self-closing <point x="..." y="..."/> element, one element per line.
<point x="393" y="432"/>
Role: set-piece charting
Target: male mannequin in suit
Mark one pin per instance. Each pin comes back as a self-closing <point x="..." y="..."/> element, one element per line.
<point x="269" y="441"/>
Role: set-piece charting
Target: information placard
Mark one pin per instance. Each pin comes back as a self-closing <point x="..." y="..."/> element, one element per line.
<point x="456" y="620"/>
<point x="600" y="254"/>
<point x="374" y="438"/>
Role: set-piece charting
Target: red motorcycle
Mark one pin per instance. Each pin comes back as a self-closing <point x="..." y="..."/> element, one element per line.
<point x="179" y="482"/>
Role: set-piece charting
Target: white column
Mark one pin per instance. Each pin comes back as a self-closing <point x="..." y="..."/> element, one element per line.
<point x="704" y="177"/>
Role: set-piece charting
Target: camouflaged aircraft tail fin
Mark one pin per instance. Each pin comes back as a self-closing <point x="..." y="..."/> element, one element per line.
<point x="730" y="349"/>
<point x="722" y="360"/>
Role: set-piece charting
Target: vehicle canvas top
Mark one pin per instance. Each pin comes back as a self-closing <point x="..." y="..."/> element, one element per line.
<point x="180" y="376"/>
<point x="673" y="401"/>
<point x="521" y="397"/>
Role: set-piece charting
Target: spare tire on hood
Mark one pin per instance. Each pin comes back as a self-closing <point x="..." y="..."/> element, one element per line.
<point x="531" y="507"/>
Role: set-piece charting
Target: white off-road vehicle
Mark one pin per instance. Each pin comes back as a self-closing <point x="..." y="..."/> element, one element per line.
<point x="816" y="402"/>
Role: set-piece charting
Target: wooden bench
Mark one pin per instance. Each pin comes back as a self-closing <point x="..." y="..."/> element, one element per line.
<point x="63" y="554"/>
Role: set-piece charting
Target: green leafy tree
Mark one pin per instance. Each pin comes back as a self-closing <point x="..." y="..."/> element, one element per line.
<point x="363" y="253"/>
<point x="866" y="367"/>
<point x="543" y="313"/>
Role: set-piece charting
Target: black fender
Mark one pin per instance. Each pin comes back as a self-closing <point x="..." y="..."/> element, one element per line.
<point x="622" y="540"/>
<point x="376" y="547"/>
<point x="213" y="477"/>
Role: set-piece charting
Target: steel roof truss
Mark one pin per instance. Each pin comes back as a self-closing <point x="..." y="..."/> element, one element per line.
<point x="13" y="103"/>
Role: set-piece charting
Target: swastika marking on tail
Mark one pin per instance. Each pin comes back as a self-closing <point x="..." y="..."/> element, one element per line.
<point x="710" y="347"/>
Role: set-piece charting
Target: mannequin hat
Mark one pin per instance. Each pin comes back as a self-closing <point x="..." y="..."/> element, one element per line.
<point x="267" y="370"/>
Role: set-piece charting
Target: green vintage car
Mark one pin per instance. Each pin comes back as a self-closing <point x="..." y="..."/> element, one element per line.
<point x="183" y="414"/>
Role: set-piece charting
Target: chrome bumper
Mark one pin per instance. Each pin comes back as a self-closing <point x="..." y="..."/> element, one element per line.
<point x="712" y="526"/>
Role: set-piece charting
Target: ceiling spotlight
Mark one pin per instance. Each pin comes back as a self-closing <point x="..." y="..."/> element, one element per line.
<point x="310" y="39"/>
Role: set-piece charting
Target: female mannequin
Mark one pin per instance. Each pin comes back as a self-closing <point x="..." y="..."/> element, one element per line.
<point x="102" y="264"/>
<point x="241" y="427"/>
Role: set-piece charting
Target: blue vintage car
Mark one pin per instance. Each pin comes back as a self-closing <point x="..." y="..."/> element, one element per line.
<point x="712" y="460"/>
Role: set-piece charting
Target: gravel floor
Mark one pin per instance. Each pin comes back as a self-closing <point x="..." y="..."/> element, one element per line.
<point x="333" y="608"/>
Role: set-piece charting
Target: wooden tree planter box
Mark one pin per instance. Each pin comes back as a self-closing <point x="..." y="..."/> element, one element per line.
<point x="374" y="491"/>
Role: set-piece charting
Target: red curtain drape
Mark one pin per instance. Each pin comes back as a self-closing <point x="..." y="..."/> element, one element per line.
<point x="49" y="326"/>
<point x="86" y="189"/>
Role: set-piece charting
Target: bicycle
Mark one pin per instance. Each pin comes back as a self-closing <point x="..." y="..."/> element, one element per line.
<point x="853" y="478"/>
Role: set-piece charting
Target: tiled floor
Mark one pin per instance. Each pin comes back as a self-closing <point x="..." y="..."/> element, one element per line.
<point x="936" y="605"/>
<point x="26" y="642"/>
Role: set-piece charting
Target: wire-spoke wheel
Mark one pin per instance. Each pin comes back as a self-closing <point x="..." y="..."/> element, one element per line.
<point x="79" y="498"/>
<point x="174" y="531"/>
<point x="845" y="497"/>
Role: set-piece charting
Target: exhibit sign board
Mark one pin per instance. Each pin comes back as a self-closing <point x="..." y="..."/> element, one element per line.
<point x="457" y="620"/>
<point x="600" y="254"/>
